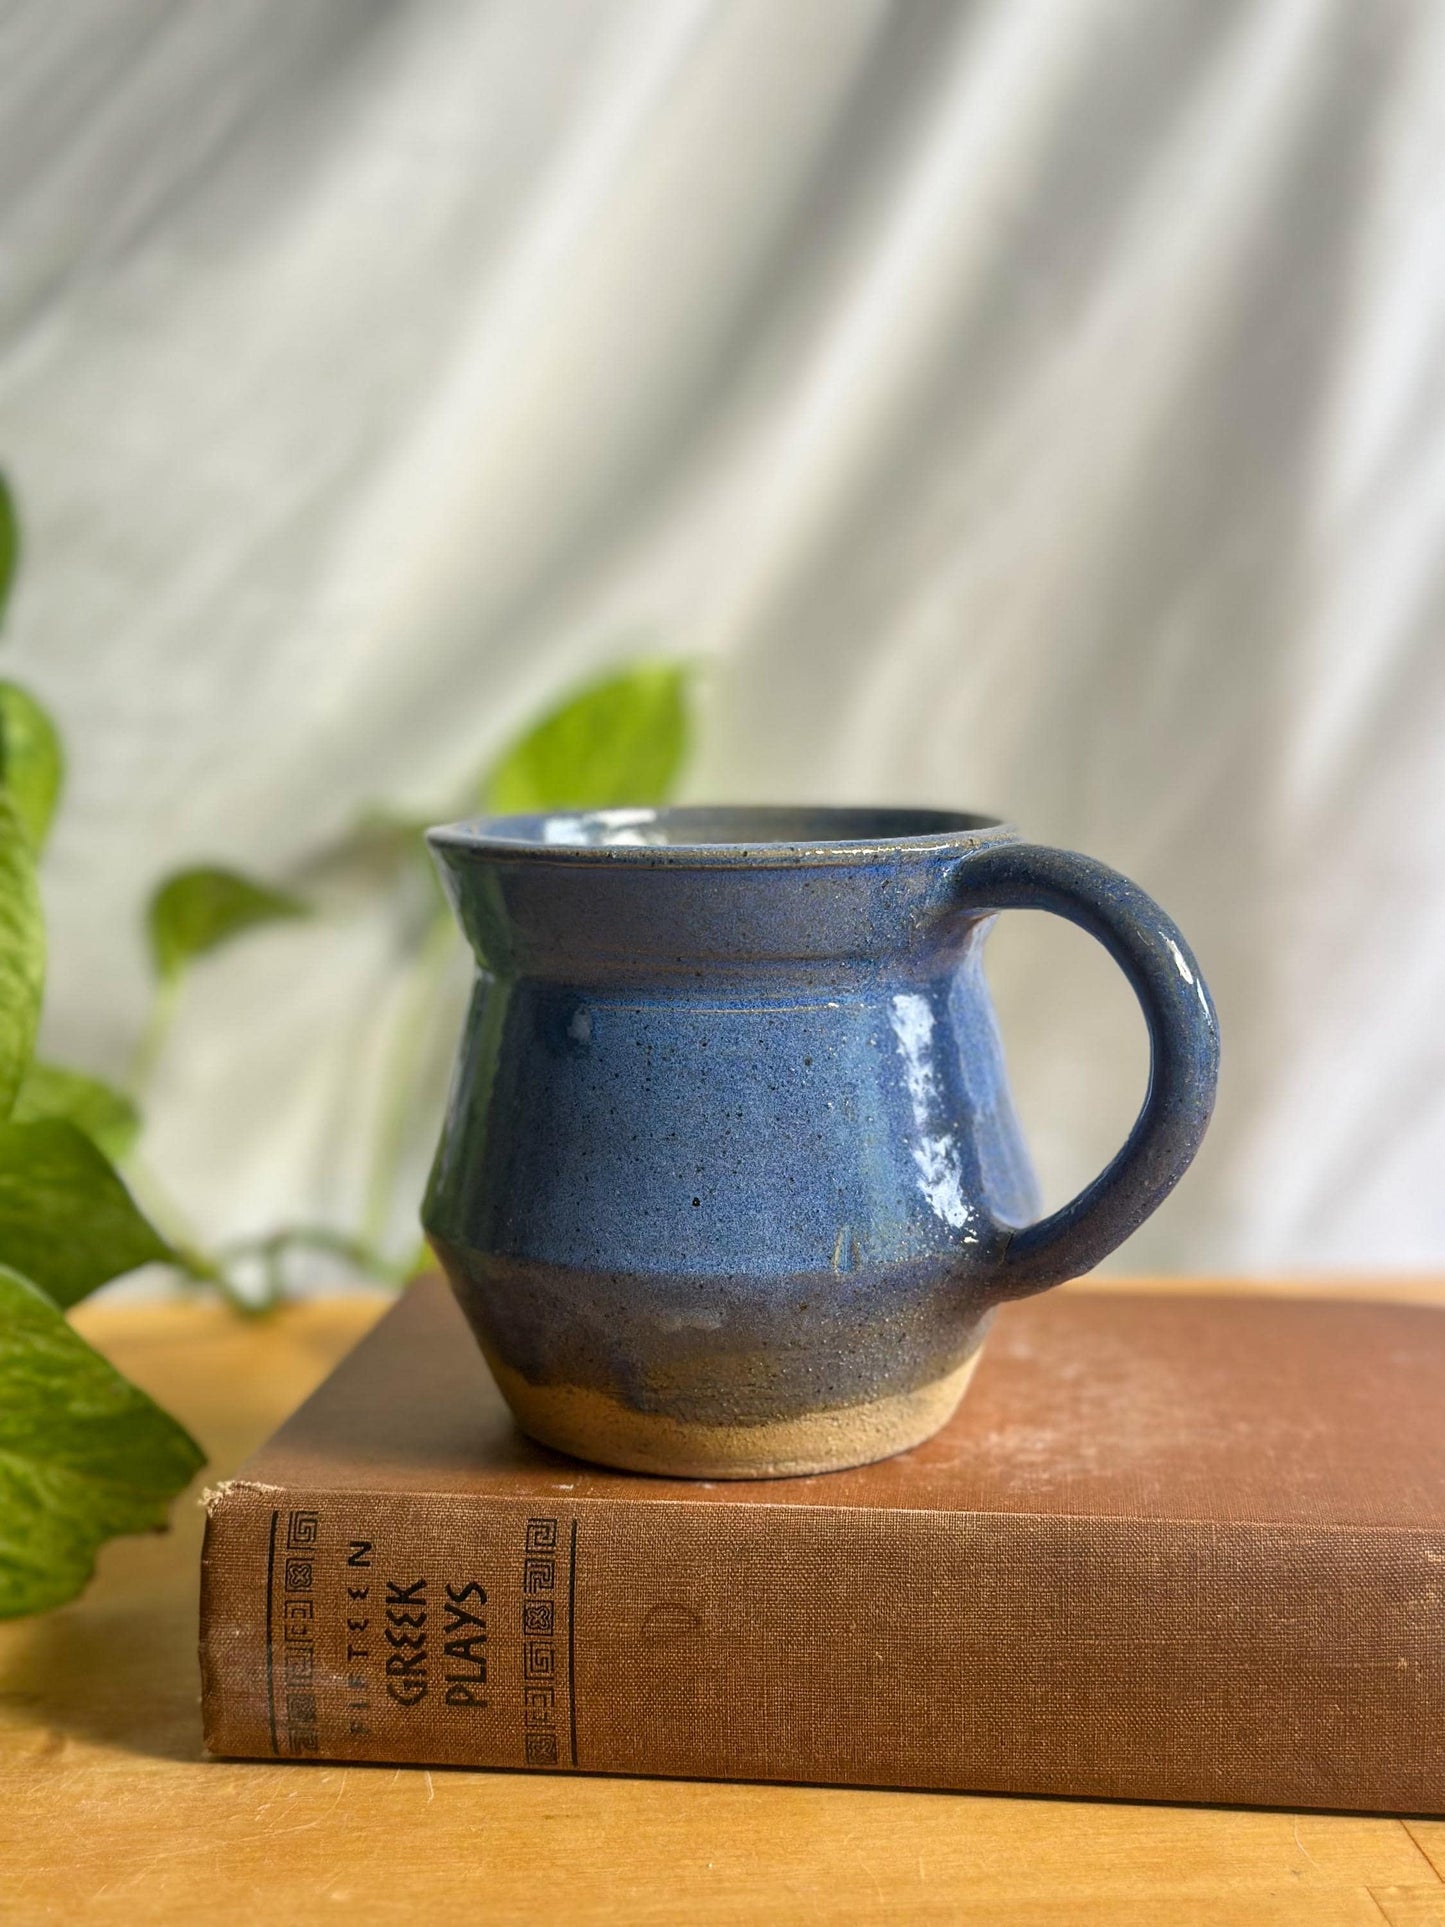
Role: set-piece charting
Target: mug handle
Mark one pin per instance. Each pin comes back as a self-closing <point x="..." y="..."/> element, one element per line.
<point x="1183" y="1050"/>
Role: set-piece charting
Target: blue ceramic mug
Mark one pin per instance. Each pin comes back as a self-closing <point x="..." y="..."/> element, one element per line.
<point x="730" y="1181"/>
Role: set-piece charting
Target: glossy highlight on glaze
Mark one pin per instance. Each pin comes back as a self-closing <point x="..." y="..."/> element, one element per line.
<point x="730" y="1180"/>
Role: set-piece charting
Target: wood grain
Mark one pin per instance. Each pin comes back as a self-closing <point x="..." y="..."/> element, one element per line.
<point x="109" y="1812"/>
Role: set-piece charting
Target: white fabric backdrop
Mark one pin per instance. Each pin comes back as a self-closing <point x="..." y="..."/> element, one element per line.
<point x="1037" y="407"/>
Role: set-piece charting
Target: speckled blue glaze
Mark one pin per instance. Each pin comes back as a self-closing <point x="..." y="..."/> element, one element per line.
<point x="730" y="1140"/>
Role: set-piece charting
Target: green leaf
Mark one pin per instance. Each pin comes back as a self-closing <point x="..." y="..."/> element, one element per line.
<point x="22" y="953"/>
<point x="197" y="910"/>
<point x="106" y="1115"/>
<point x="9" y="542"/>
<point x="66" y="1219"/>
<point x="618" y="741"/>
<point x="32" y="763"/>
<point x="84" y="1454"/>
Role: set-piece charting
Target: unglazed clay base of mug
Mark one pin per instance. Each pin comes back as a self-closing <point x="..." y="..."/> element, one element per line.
<point x="589" y="1425"/>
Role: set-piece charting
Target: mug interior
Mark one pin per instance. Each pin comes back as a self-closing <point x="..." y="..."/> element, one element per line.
<point x="710" y="827"/>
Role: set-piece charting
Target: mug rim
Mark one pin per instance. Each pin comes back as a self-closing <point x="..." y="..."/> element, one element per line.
<point x="620" y="834"/>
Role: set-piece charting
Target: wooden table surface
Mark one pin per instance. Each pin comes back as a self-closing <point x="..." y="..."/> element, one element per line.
<point x="108" y="1810"/>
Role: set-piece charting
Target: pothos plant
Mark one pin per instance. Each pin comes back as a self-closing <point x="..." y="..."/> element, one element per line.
<point x="84" y="1454"/>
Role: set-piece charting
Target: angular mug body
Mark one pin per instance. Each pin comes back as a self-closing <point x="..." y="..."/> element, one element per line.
<point x="730" y="1181"/>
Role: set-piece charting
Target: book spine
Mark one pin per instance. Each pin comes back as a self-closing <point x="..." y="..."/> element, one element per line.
<point x="1029" y="1654"/>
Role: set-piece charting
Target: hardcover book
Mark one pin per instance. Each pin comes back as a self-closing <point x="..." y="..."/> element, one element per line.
<point x="1171" y="1547"/>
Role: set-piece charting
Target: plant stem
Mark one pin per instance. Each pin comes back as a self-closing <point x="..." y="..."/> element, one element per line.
<point x="317" y="1237"/>
<point x="152" y="1040"/>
